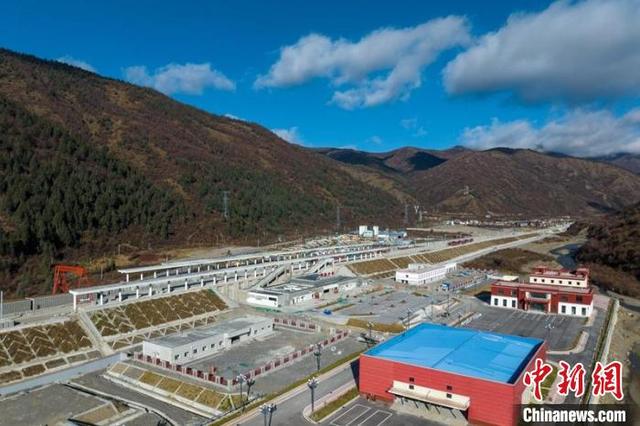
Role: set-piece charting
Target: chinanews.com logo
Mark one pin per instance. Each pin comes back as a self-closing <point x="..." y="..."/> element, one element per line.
<point x="606" y="379"/>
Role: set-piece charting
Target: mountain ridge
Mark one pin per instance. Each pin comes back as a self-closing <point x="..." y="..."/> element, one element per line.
<point x="55" y="112"/>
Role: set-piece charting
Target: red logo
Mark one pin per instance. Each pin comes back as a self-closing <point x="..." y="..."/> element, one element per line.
<point x="572" y="379"/>
<point x="536" y="376"/>
<point x="607" y="379"/>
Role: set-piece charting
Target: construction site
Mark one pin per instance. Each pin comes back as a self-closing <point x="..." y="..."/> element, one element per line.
<point x="191" y="340"/>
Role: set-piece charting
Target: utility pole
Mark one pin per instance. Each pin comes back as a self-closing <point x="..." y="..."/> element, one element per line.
<point x="225" y="204"/>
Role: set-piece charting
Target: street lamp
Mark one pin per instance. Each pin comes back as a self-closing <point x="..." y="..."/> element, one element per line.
<point x="317" y="352"/>
<point x="241" y="378"/>
<point x="250" y="382"/>
<point x="312" y="383"/>
<point x="370" y="327"/>
<point x="267" y="411"/>
<point x="409" y="312"/>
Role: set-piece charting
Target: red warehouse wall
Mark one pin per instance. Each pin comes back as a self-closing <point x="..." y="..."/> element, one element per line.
<point x="491" y="402"/>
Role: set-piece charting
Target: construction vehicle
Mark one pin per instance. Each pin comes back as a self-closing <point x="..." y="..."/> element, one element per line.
<point x="66" y="277"/>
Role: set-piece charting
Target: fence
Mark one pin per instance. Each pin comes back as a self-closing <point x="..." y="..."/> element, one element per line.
<point x="36" y="303"/>
<point x="296" y="323"/>
<point x="212" y="377"/>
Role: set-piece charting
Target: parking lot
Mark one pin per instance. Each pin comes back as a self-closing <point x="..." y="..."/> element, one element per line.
<point x="561" y="332"/>
<point x="368" y="413"/>
<point x="387" y="306"/>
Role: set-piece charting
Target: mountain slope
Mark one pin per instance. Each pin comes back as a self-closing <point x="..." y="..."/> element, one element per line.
<point x="189" y="152"/>
<point x="525" y="182"/>
<point x="629" y="162"/>
<point x="501" y="181"/>
<point x="94" y="162"/>
<point x="613" y="250"/>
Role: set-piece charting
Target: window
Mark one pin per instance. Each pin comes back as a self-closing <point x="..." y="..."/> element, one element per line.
<point x="563" y="309"/>
<point x="411" y="387"/>
<point x="186" y="354"/>
<point x="195" y="351"/>
<point x="449" y="396"/>
<point x="177" y="356"/>
<point x="584" y="312"/>
<point x="213" y="345"/>
<point x="573" y="310"/>
<point x="204" y="348"/>
<point x="513" y="292"/>
<point x="412" y="380"/>
<point x="504" y="302"/>
<point x="564" y="299"/>
<point x="542" y="280"/>
<point x="513" y="303"/>
<point x="449" y="387"/>
<point x="578" y="299"/>
<point x="535" y="280"/>
<point x="552" y="281"/>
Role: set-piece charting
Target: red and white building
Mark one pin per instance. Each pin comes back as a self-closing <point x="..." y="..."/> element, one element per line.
<point x="548" y="290"/>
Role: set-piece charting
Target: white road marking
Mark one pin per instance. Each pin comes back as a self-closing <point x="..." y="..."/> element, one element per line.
<point x="366" y="409"/>
<point x="388" y="414"/>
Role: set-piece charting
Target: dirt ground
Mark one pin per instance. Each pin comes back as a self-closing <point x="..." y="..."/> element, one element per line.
<point x="626" y="336"/>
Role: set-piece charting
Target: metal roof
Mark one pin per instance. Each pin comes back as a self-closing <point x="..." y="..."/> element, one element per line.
<point x="484" y="355"/>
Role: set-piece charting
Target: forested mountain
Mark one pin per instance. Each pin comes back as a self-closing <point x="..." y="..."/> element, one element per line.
<point x="93" y="162"/>
<point x="501" y="181"/>
<point x="90" y="162"/>
<point x="613" y="250"/>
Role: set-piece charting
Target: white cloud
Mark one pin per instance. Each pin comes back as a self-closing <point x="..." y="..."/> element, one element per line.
<point x="412" y="125"/>
<point x="579" y="133"/>
<point x="188" y="78"/>
<point x="234" y="117"/>
<point x="291" y="135"/>
<point x="573" y="51"/>
<point x="70" y="60"/>
<point x="383" y="66"/>
<point x="376" y="140"/>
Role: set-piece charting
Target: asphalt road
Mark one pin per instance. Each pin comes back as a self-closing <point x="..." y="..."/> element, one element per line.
<point x="96" y="382"/>
<point x="290" y="412"/>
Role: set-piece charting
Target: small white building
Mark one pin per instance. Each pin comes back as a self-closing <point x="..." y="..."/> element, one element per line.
<point x="302" y="289"/>
<point x="421" y="273"/>
<point x="368" y="232"/>
<point x="186" y="347"/>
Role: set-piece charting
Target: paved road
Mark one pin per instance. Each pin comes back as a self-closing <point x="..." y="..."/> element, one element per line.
<point x="97" y="382"/>
<point x="290" y="411"/>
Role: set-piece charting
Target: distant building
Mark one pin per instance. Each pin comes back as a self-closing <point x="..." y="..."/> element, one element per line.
<point x="421" y="273"/>
<point x="471" y="373"/>
<point x="368" y="231"/>
<point x="548" y="290"/>
<point x="302" y="289"/>
<point x="186" y="347"/>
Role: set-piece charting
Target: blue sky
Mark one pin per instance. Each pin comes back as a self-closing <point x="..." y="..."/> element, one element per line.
<point x="369" y="74"/>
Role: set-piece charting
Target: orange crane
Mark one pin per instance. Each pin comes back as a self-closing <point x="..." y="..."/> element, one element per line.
<point x="62" y="283"/>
